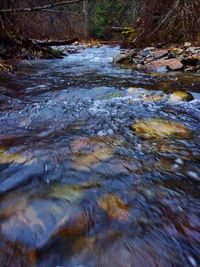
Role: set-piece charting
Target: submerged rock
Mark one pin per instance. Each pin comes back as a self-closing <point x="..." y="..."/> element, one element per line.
<point x="114" y="207"/>
<point x="84" y="162"/>
<point x="145" y="95"/>
<point x="153" y="98"/>
<point x="161" y="128"/>
<point x="178" y="96"/>
<point x="8" y="158"/>
<point x="137" y="92"/>
<point x="89" y="152"/>
<point x="36" y="217"/>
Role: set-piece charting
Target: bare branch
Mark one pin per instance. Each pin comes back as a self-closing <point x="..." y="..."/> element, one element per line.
<point x="33" y="9"/>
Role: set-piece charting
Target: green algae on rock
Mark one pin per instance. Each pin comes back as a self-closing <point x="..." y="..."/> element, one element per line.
<point x="178" y="96"/>
<point x="161" y="128"/>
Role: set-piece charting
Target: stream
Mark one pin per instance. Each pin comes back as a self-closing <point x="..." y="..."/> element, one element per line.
<point x="78" y="186"/>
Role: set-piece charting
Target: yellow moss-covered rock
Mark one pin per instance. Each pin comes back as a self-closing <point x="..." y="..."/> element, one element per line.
<point x="7" y="158"/>
<point x="85" y="161"/>
<point x="89" y="152"/>
<point x="178" y="96"/>
<point x="176" y="51"/>
<point x="65" y="192"/>
<point x="160" y="128"/>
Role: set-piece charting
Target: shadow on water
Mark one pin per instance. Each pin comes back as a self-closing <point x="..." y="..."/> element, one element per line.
<point x="80" y="183"/>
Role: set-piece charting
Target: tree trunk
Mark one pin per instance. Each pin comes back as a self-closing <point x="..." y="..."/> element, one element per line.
<point x="86" y="19"/>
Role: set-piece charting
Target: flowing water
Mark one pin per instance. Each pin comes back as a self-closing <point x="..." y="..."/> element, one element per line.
<point x="79" y="187"/>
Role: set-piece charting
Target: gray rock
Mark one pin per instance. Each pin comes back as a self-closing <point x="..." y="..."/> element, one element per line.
<point x="124" y="58"/>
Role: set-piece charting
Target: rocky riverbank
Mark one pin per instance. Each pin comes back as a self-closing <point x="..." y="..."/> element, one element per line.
<point x="172" y="58"/>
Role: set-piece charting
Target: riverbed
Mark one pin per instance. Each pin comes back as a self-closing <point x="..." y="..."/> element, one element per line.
<point x="78" y="186"/>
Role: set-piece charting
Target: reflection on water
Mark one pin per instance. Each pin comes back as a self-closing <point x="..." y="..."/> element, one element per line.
<point x="97" y="166"/>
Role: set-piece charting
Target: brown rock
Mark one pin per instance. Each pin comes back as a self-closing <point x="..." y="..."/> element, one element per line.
<point x="160" y="53"/>
<point x="171" y="64"/>
<point x="174" y="64"/>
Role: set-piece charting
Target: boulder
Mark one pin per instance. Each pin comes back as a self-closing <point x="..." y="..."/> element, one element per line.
<point x="174" y="65"/>
<point x="124" y="58"/>
<point x="160" y="53"/>
<point x="178" y="96"/>
<point x="171" y="64"/>
<point x="147" y="51"/>
<point x="161" y="128"/>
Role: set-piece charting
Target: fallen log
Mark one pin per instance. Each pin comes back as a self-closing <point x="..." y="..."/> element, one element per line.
<point x="54" y="42"/>
<point x="110" y="42"/>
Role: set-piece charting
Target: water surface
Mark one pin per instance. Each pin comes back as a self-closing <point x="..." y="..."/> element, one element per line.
<point x="78" y="187"/>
